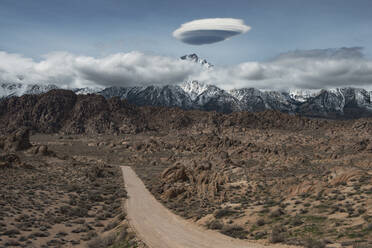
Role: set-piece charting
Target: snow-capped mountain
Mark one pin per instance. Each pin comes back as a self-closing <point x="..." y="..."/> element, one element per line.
<point x="341" y="102"/>
<point x="344" y="102"/>
<point x="252" y="99"/>
<point x="302" y="95"/>
<point x="193" y="88"/>
<point x="87" y="90"/>
<point x="18" y="89"/>
<point x="331" y="103"/>
<point x="189" y="95"/>
<point x="169" y="95"/>
<point x="194" y="58"/>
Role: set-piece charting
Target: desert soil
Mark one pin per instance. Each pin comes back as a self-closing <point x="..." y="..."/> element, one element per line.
<point x="264" y="176"/>
<point x="50" y="199"/>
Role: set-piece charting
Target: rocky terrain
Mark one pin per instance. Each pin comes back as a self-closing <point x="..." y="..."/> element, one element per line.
<point x="64" y="111"/>
<point x="51" y="197"/>
<point x="296" y="187"/>
<point x="266" y="176"/>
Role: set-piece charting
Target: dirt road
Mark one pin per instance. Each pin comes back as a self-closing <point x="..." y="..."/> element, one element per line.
<point x="158" y="227"/>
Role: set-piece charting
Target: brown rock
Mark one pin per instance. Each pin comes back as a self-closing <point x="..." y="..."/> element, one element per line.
<point x="9" y="160"/>
<point x="17" y="141"/>
<point x="41" y="150"/>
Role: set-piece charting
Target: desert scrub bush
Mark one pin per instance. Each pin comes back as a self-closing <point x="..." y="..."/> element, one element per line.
<point x="111" y="225"/>
<point x="276" y="213"/>
<point x="122" y="216"/>
<point x="220" y="213"/>
<point x="65" y="209"/>
<point x="296" y="221"/>
<point x="119" y="239"/>
<point x="215" y="225"/>
<point x="95" y="196"/>
<point x="38" y="234"/>
<point x="265" y="210"/>
<point x="12" y="243"/>
<point x="361" y="245"/>
<point x="91" y="234"/>
<point x="369" y="227"/>
<point x="260" y="222"/>
<point x="79" y="211"/>
<point x="82" y="229"/>
<point x="234" y="231"/>
<point x="278" y="234"/>
<point x="11" y="232"/>
<point x="314" y="243"/>
<point x="97" y="171"/>
<point x="102" y="242"/>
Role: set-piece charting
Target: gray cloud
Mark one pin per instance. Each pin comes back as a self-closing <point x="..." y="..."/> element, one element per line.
<point x="207" y="31"/>
<point x="330" y="53"/>
<point x="312" y="69"/>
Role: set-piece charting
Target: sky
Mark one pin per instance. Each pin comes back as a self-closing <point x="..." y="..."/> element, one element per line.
<point x="34" y="33"/>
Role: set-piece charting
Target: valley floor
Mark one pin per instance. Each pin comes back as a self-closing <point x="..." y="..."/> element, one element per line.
<point x="300" y="187"/>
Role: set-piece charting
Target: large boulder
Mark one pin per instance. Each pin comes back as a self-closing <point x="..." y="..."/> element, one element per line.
<point x="42" y="150"/>
<point x="17" y="141"/>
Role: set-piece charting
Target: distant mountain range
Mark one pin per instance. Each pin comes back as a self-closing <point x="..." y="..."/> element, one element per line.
<point x="332" y="103"/>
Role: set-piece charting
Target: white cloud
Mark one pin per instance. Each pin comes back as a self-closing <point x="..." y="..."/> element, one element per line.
<point x="70" y="71"/>
<point x="207" y="31"/>
<point x="312" y="69"/>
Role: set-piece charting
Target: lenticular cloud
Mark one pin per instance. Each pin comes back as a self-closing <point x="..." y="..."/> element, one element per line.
<point x="207" y="31"/>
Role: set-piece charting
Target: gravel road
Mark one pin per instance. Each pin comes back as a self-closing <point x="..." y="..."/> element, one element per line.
<point x="158" y="227"/>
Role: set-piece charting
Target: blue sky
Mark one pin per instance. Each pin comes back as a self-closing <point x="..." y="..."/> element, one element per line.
<point x="99" y="28"/>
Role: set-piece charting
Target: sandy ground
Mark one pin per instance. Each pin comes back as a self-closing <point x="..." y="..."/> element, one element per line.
<point x="158" y="227"/>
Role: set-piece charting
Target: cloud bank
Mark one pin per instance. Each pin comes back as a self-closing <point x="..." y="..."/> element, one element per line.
<point x="310" y="69"/>
<point x="72" y="71"/>
<point x="207" y="31"/>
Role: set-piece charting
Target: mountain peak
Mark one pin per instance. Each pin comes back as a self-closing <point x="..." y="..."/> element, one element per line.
<point x="194" y="88"/>
<point x="194" y="58"/>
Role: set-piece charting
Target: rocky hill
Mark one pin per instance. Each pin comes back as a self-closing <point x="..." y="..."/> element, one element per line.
<point x="64" y="111"/>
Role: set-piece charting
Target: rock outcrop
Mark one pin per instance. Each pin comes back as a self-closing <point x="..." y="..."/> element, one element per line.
<point x="16" y="141"/>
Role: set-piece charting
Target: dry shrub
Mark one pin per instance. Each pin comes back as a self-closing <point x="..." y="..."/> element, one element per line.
<point x="234" y="231"/>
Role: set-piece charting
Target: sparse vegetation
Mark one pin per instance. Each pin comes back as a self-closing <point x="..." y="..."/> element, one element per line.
<point x="234" y="231"/>
<point x="263" y="175"/>
<point x="58" y="190"/>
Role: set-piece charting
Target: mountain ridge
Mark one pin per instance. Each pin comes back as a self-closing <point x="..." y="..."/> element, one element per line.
<point x="345" y="102"/>
<point x="340" y="102"/>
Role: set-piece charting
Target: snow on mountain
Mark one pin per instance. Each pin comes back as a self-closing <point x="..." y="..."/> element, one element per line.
<point x="253" y="99"/>
<point x="214" y="98"/>
<point x="338" y="102"/>
<point x="194" y="58"/>
<point x="169" y="95"/>
<point x="18" y="89"/>
<point x="302" y="95"/>
<point x="87" y="90"/>
<point x="194" y="88"/>
<point x="10" y="89"/>
<point x="35" y="89"/>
